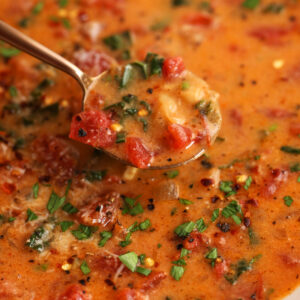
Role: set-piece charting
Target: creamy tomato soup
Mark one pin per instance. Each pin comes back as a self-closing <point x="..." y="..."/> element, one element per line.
<point x="77" y="224"/>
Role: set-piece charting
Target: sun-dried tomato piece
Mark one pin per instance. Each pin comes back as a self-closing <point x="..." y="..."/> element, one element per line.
<point x="57" y="157"/>
<point x="102" y="211"/>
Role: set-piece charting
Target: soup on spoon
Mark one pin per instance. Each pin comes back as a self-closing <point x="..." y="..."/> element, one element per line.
<point x="151" y="114"/>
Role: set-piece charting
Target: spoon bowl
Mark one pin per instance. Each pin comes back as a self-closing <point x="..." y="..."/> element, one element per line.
<point x="88" y="84"/>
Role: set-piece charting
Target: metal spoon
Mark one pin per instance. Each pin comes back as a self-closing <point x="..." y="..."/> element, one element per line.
<point x="23" y="42"/>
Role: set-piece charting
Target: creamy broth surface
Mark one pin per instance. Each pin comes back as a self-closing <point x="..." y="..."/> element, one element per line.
<point x="76" y="224"/>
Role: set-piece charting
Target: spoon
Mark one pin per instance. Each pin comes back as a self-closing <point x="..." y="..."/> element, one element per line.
<point x="208" y="113"/>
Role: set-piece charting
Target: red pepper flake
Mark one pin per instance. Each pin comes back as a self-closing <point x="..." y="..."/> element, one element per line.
<point x="8" y="188"/>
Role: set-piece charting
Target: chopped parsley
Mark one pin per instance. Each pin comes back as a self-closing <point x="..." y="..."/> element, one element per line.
<point x="145" y="225"/>
<point x="38" y="8"/>
<point x="130" y="260"/>
<point x="39" y="239"/>
<point x="55" y="202"/>
<point x="288" y="200"/>
<point x="273" y="8"/>
<point x="132" y="207"/>
<point x="295" y="167"/>
<point x="185" y="201"/>
<point x="69" y="208"/>
<point x="35" y="190"/>
<point x="94" y="175"/>
<point x="105" y="236"/>
<point x="254" y="239"/>
<point x="84" y="232"/>
<point x="143" y="271"/>
<point x="31" y="216"/>
<point x="65" y="225"/>
<point x="212" y="254"/>
<point x="179" y="2"/>
<point x="227" y="188"/>
<point x="9" y="52"/>
<point x="118" y="41"/>
<point x="250" y="4"/>
<point x="184" y="229"/>
<point x="177" y="272"/>
<point x="63" y="3"/>
<point x="85" y="268"/>
<point x="290" y="150"/>
<point x="185" y="85"/>
<point x="248" y="183"/>
<point x="200" y="225"/>
<point x="13" y="91"/>
<point x="239" y="268"/>
<point x="232" y="210"/>
<point x="215" y="214"/>
<point x="171" y="174"/>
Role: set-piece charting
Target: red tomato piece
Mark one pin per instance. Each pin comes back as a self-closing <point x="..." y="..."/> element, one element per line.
<point x="92" y="128"/>
<point x="74" y="292"/>
<point x="278" y="113"/>
<point x="236" y="117"/>
<point x="273" y="182"/>
<point x="173" y="67"/>
<point x="137" y="153"/>
<point x="179" y="137"/>
<point x="8" y="188"/>
<point x="130" y="294"/>
<point x="193" y="241"/>
<point x="270" y="35"/>
<point x="295" y="128"/>
<point x="220" y="269"/>
<point x="58" y="158"/>
<point x="198" y="19"/>
<point x="153" y="280"/>
<point x="92" y="62"/>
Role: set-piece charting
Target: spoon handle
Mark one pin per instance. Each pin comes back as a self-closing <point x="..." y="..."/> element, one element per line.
<point x="21" y="41"/>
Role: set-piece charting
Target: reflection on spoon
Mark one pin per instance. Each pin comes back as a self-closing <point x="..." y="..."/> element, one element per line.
<point x="151" y="114"/>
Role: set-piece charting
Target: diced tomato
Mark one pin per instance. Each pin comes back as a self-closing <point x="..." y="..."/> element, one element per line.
<point x="198" y="19"/>
<point x="295" y="128"/>
<point x="278" y="113"/>
<point x="179" y="137"/>
<point x="173" y="67"/>
<point x="56" y="155"/>
<point x="8" y="188"/>
<point x="137" y="153"/>
<point x="75" y="292"/>
<point x="270" y="35"/>
<point x="220" y="269"/>
<point x="236" y="117"/>
<point x="92" y="128"/>
<point x="130" y="294"/>
<point x="115" y="6"/>
<point x="92" y="62"/>
<point x="290" y="260"/>
<point x="193" y="241"/>
<point x="273" y="182"/>
<point x="153" y="280"/>
<point x="101" y="212"/>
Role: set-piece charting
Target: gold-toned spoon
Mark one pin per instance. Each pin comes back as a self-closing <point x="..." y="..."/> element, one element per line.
<point x="209" y="110"/>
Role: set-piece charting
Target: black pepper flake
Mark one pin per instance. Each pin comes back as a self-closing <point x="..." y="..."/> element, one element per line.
<point x="31" y="260"/>
<point x="214" y="199"/>
<point x="224" y="227"/>
<point x="241" y="84"/>
<point x="190" y="240"/>
<point x="82" y="133"/>
<point x="151" y="200"/>
<point x="81" y="281"/>
<point x="150" y="206"/>
<point x="88" y="279"/>
<point x="206" y="181"/>
<point x="206" y="164"/>
<point x="254" y="82"/>
<point x="169" y="159"/>
<point x="78" y="119"/>
<point x="191" y="186"/>
<point x="247" y="222"/>
<point x="1" y="236"/>
<point x="98" y="208"/>
<point x="149" y="91"/>
<point x="109" y="282"/>
<point x="179" y="246"/>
